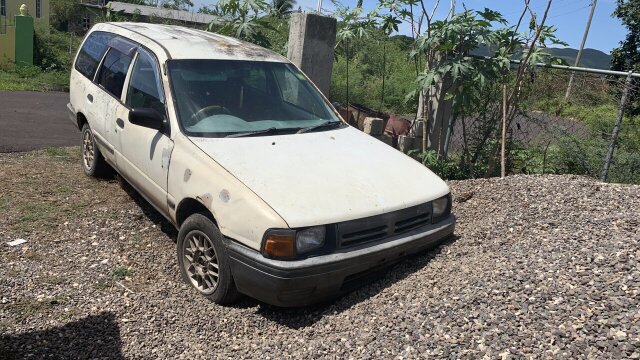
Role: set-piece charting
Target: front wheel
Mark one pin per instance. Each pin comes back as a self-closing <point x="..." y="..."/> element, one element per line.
<point x="93" y="163"/>
<point x="203" y="260"/>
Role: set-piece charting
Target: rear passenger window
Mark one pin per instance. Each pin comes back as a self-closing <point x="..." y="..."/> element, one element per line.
<point x="114" y="71"/>
<point x="145" y="90"/>
<point x="92" y="52"/>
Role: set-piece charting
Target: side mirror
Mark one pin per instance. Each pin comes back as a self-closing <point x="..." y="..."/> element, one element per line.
<point x="336" y="105"/>
<point x="147" y="117"/>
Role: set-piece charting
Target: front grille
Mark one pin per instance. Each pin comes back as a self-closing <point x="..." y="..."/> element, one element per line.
<point x="379" y="227"/>
<point x="365" y="235"/>
<point x="412" y="223"/>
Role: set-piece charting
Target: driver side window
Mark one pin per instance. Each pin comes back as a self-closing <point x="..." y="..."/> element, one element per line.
<point x="145" y="90"/>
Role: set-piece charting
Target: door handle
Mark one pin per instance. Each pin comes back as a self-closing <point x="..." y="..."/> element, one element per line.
<point x="120" y="123"/>
<point x="90" y="98"/>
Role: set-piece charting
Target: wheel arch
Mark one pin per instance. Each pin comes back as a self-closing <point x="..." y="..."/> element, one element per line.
<point x="81" y="120"/>
<point x="189" y="206"/>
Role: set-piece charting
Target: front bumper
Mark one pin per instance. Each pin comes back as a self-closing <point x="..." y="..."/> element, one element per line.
<point x="308" y="281"/>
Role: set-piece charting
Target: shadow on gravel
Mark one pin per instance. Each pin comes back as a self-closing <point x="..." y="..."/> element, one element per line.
<point x="148" y="210"/>
<point x="96" y="336"/>
<point x="296" y="318"/>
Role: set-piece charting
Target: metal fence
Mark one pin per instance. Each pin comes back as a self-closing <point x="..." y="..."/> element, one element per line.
<point x="595" y="132"/>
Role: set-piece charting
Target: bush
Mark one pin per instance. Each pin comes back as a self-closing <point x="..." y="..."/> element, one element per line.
<point x="54" y="51"/>
<point x="446" y="169"/>
<point x="27" y="71"/>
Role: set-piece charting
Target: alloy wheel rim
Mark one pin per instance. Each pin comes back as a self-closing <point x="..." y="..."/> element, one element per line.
<point x="87" y="149"/>
<point x="201" y="262"/>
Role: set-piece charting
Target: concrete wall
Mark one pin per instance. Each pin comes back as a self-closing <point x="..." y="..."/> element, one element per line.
<point x="8" y="47"/>
<point x="312" y="39"/>
<point x="13" y="8"/>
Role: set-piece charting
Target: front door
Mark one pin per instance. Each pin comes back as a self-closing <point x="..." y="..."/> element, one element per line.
<point x="142" y="153"/>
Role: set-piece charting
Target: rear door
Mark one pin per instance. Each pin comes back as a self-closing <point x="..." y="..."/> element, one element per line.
<point x="86" y="96"/>
<point x="142" y="153"/>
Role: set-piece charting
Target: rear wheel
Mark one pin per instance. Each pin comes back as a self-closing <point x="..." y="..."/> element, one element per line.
<point x="203" y="260"/>
<point x="93" y="163"/>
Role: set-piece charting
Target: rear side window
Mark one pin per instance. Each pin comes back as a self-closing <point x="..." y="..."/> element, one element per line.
<point x="92" y="52"/>
<point x="144" y="87"/>
<point x="114" y="71"/>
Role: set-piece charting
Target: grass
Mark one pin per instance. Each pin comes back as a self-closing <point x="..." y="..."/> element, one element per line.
<point x="46" y="194"/>
<point x="32" y="214"/>
<point x="56" y="151"/>
<point x="5" y="203"/>
<point x="589" y="114"/>
<point x="12" y="80"/>
<point x="103" y="284"/>
<point x="52" y="280"/>
<point x="61" y="153"/>
<point x="121" y="272"/>
<point x="25" y="308"/>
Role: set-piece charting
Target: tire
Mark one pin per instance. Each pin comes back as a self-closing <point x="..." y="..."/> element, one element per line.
<point x="200" y="251"/>
<point x="93" y="163"/>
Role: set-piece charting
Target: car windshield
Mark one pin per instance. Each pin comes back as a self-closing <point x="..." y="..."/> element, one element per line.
<point x="218" y="98"/>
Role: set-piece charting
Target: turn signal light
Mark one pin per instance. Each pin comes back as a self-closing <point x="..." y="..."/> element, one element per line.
<point x="280" y="245"/>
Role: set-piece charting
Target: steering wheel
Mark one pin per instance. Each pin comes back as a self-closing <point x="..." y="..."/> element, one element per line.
<point x="207" y="111"/>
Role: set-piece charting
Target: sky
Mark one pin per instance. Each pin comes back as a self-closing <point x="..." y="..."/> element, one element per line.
<point x="568" y="16"/>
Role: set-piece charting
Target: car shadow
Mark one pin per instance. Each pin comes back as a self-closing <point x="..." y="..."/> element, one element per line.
<point x="95" y="336"/>
<point x="148" y="210"/>
<point x="296" y="318"/>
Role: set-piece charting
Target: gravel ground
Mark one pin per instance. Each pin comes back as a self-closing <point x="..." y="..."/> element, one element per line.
<point x="541" y="267"/>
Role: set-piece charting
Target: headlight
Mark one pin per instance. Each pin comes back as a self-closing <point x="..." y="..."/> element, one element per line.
<point x="286" y="244"/>
<point x="441" y="207"/>
<point x="310" y="239"/>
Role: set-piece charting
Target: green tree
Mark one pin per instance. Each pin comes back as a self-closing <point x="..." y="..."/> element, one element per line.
<point x="64" y="13"/>
<point x="626" y="57"/>
<point x="283" y="7"/>
<point x="255" y="21"/>
<point x="177" y="4"/>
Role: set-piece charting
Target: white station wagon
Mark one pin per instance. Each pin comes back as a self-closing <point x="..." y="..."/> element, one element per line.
<point x="274" y="195"/>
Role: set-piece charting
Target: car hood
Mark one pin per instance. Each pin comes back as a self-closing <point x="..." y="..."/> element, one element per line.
<point x="325" y="177"/>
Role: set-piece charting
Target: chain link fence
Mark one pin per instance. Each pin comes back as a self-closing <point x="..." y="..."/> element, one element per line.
<point x="553" y="134"/>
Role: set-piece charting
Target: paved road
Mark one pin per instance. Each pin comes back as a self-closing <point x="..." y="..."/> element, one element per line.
<point x="35" y="120"/>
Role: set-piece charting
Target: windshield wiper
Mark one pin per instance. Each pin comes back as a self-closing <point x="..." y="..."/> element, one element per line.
<point x="319" y="126"/>
<point x="268" y="131"/>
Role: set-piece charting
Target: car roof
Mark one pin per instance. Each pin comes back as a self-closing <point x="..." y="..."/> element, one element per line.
<point x="186" y="43"/>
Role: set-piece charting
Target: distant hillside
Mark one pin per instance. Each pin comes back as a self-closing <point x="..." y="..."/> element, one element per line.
<point x="591" y="58"/>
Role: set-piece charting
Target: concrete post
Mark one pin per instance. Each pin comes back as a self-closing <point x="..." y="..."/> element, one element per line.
<point x="439" y="118"/>
<point x="312" y="39"/>
<point x="24" y="40"/>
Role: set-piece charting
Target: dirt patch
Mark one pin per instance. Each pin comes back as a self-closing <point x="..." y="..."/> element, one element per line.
<point x="542" y="266"/>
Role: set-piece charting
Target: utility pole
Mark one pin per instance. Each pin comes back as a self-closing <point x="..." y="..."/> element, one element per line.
<point x="616" y="129"/>
<point x="584" y="40"/>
